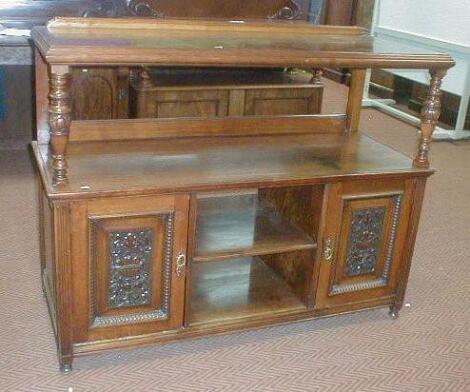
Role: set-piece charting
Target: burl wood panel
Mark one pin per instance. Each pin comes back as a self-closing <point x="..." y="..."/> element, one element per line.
<point x="100" y="93"/>
<point x="279" y="101"/>
<point x="174" y="104"/>
<point x="301" y="206"/>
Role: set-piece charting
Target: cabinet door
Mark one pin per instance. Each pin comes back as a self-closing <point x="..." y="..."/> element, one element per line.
<point x="360" y="248"/>
<point x="129" y="266"/>
<point x="182" y="103"/>
<point x="283" y="101"/>
<point x="100" y="93"/>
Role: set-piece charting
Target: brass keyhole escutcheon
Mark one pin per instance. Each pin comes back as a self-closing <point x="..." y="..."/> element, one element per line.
<point x="180" y="264"/>
<point x="328" y="250"/>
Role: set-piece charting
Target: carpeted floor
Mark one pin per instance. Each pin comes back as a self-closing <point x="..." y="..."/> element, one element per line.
<point x="426" y="349"/>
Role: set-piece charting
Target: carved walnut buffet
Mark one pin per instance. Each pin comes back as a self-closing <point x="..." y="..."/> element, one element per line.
<point x="154" y="230"/>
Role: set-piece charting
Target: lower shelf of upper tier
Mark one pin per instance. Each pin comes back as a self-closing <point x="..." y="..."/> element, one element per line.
<point x="206" y="163"/>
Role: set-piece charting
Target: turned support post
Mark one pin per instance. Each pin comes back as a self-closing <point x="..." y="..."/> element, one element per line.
<point x="60" y="118"/>
<point x="144" y="82"/>
<point x="354" y="106"/>
<point x="316" y="76"/>
<point x="429" y="117"/>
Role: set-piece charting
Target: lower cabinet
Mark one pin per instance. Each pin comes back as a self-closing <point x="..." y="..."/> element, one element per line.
<point x="129" y="258"/>
<point x="149" y="268"/>
<point x="362" y="245"/>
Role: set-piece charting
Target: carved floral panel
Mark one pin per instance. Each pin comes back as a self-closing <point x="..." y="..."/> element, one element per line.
<point x="364" y="241"/>
<point x="130" y="268"/>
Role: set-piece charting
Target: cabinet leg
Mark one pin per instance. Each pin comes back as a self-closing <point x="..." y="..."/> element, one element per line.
<point x="43" y="289"/>
<point x="393" y="312"/>
<point x="65" y="362"/>
<point x="66" y="368"/>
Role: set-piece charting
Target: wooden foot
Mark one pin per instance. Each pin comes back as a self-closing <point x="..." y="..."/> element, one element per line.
<point x="66" y="368"/>
<point x="393" y="312"/>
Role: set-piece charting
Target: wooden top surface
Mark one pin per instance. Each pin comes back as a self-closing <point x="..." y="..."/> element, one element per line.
<point x="208" y="163"/>
<point x="84" y="41"/>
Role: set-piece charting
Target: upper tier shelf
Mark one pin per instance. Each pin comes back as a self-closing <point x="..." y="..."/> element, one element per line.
<point x="208" y="163"/>
<point x="174" y="42"/>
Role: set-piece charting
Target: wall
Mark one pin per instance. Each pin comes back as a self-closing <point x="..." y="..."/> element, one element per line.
<point x="428" y="26"/>
<point x="442" y="20"/>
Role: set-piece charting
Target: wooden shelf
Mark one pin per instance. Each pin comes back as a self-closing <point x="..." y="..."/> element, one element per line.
<point x="204" y="164"/>
<point x="238" y="288"/>
<point x="242" y="225"/>
<point x="174" y="42"/>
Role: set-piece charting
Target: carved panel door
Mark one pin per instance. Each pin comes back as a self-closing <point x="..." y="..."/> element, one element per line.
<point x="361" y="248"/>
<point x="279" y="101"/>
<point x="100" y="93"/>
<point x="183" y="103"/>
<point x="130" y="272"/>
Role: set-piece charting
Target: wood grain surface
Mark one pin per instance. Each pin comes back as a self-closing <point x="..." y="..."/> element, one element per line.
<point x="232" y="226"/>
<point x="218" y="43"/>
<point x="184" y="164"/>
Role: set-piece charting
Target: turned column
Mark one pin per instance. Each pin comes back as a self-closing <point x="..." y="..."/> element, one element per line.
<point x="60" y="117"/>
<point x="144" y="82"/>
<point x="429" y="117"/>
<point x="316" y="76"/>
<point x="354" y="106"/>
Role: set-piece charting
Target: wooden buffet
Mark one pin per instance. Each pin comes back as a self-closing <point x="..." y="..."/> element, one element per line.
<point x="154" y="230"/>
